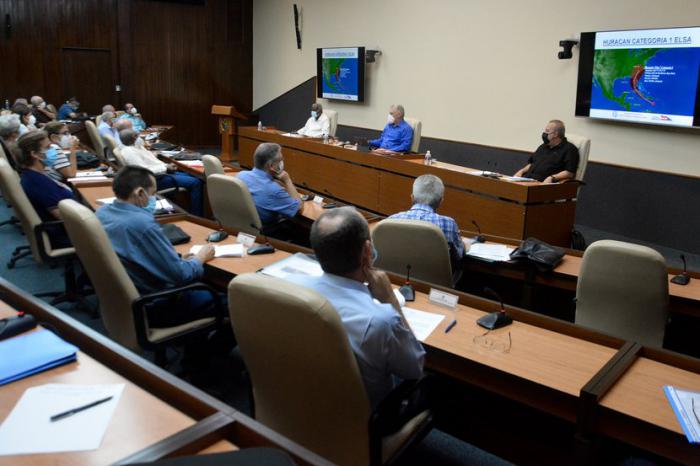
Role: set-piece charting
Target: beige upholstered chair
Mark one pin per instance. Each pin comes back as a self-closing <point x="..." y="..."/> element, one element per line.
<point x="121" y="306"/>
<point x="422" y="245"/>
<point x="332" y="119"/>
<point x="212" y="165"/>
<point x="232" y="204"/>
<point x="34" y="229"/>
<point x="623" y="290"/>
<point x="417" y="126"/>
<point x="306" y="382"/>
<point x="111" y="146"/>
<point x="96" y="139"/>
<point x="583" y="144"/>
<point x="119" y="160"/>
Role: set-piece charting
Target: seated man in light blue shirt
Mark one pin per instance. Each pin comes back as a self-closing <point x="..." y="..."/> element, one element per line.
<point x="132" y="114"/>
<point x="106" y="126"/>
<point x="271" y="187"/>
<point x="397" y="135"/>
<point x="148" y="256"/>
<point x="428" y="192"/>
<point x="384" y="345"/>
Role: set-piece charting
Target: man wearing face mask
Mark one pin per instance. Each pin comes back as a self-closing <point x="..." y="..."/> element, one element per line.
<point x="43" y="115"/>
<point x="397" y="135"/>
<point x="9" y="133"/>
<point x="555" y="160"/>
<point x="132" y="114"/>
<point x="383" y="343"/>
<point x="61" y="166"/>
<point x="272" y="189"/>
<point x="69" y="110"/>
<point x="43" y="192"/>
<point x="149" y="258"/>
<point x="318" y="125"/>
<point x="106" y="126"/>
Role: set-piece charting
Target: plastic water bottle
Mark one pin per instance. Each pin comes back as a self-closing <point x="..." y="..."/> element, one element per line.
<point x="325" y="138"/>
<point x="428" y="158"/>
<point x="259" y="125"/>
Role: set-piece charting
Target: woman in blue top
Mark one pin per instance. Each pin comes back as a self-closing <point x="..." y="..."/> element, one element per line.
<point x="43" y="192"/>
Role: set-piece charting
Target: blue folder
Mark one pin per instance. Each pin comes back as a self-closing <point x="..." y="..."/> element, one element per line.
<point x="31" y="353"/>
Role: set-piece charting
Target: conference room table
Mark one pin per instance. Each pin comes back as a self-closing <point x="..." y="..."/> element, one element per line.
<point x="382" y="184"/>
<point x="683" y="299"/>
<point x="602" y="384"/>
<point x="157" y="416"/>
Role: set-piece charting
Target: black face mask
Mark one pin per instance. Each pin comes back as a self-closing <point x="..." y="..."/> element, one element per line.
<point x="545" y="138"/>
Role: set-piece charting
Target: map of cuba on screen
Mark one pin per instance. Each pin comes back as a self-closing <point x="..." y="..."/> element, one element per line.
<point x="341" y="74"/>
<point x="647" y="76"/>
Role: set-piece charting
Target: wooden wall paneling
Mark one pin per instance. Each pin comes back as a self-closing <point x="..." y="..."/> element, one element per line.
<point x="87" y="74"/>
<point x="548" y="222"/>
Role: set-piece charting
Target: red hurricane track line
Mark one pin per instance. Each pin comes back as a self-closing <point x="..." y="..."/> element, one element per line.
<point x="637" y="73"/>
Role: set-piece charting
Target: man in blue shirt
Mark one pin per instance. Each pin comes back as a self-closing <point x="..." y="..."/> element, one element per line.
<point x="271" y="187"/>
<point x="132" y="114"/>
<point x="149" y="258"/>
<point x="397" y="135"/>
<point x="69" y="110"/>
<point x="428" y="192"/>
<point x="384" y="345"/>
<point x="106" y="126"/>
<point x="43" y="192"/>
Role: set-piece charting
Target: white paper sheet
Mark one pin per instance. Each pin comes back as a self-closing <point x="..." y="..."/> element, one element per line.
<point x="90" y="174"/>
<point x="192" y="163"/>
<point x="296" y="264"/>
<point x="422" y="323"/>
<point x="686" y="405"/>
<point x="490" y="252"/>
<point x="28" y="430"/>
<point x="87" y="179"/>
<point x="223" y="250"/>
<point x="292" y="135"/>
<point x="517" y="178"/>
<point x="106" y="200"/>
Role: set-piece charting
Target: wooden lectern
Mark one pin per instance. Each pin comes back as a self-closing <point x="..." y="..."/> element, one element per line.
<point x="229" y="119"/>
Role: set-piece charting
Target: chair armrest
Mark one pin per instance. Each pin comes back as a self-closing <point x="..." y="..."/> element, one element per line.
<point x="39" y="230"/>
<point x="140" y="318"/>
<point x="402" y="404"/>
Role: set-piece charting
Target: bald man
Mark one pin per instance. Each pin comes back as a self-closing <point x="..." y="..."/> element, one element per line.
<point x="555" y="160"/>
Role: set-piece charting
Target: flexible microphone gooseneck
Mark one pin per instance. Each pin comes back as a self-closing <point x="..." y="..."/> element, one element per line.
<point x="479" y="237"/>
<point x="407" y="290"/>
<point x="683" y="278"/>
<point x="496" y="319"/>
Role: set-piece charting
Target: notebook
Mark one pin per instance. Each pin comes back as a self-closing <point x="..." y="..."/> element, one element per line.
<point x="31" y="353"/>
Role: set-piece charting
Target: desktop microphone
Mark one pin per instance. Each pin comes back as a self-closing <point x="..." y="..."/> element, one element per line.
<point x="407" y="290"/>
<point x="296" y="26"/>
<point x="496" y="319"/>
<point x="683" y="278"/>
<point x="479" y="238"/>
<point x="266" y="248"/>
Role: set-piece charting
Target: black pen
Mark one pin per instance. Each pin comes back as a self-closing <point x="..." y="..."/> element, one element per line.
<point x="449" y="327"/>
<point x="70" y="412"/>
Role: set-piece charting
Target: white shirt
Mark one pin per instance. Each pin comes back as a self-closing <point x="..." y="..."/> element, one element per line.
<point x="143" y="158"/>
<point x="316" y="128"/>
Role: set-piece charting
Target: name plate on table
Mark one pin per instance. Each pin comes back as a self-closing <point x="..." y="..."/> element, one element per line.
<point x="443" y="299"/>
<point x="245" y="239"/>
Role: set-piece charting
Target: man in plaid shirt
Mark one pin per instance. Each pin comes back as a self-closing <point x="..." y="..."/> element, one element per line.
<point x="428" y="191"/>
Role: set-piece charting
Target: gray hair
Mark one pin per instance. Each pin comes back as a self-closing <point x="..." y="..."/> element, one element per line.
<point x="399" y="108"/>
<point x="559" y="127"/>
<point x="428" y="189"/>
<point x="265" y="154"/>
<point x="317" y="107"/>
<point x="123" y="123"/>
<point x="107" y="116"/>
<point x="36" y="100"/>
<point x="108" y="108"/>
<point x="9" y="124"/>
<point x="128" y="136"/>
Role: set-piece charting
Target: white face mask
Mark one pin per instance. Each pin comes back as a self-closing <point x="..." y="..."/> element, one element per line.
<point x="390" y="119"/>
<point x="32" y="120"/>
<point x="133" y="111"/>
<point x="42" y="105"/>
<point x="65" y="141"/>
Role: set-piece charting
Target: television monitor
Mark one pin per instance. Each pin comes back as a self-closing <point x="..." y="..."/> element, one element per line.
<point x="645" y="76"/>
<point x="340" y="73"/>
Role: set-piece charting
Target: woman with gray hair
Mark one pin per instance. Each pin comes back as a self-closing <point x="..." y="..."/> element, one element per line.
<point x="9" y="133"/>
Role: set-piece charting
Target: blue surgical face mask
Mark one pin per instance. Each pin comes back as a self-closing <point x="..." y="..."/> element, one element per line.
<point x="314" y="114"/>
<point x="50" y="156"/>
<point x="151" y="206"/>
